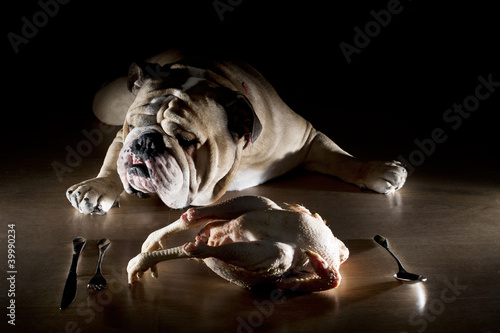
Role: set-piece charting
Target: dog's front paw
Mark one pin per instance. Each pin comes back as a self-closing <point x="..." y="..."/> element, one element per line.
<point x="383" y="177"/>
<point x="95" y="196"/>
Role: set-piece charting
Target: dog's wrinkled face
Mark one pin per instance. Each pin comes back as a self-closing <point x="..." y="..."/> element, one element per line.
<point x="183" y="134"/>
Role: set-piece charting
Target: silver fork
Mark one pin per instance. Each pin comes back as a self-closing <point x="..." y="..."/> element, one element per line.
<point x="98" y="282"/>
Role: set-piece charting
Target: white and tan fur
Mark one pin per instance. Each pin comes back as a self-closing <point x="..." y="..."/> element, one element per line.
<point x="286" y="140"/>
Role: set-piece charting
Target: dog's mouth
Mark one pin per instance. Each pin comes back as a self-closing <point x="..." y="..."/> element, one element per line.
<point x="139" y="178"/>
<point x="155" y="174"/>
<point x="146" y="166"/>
<point x="138" y="168"/>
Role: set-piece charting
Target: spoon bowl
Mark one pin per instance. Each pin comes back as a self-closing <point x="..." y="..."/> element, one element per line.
<point x="409" y="277"/>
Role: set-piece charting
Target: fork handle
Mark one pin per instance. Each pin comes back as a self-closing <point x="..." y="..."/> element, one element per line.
<point x="99" y="261"/>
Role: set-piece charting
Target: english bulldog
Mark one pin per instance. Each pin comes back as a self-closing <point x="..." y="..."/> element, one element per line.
<point x="195" y="128"/>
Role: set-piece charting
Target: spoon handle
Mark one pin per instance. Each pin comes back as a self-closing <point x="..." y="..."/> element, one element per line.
<point x="383" y="242"/>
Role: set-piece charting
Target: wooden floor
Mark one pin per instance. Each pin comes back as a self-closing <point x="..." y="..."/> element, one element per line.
<point x="444" y="224"/>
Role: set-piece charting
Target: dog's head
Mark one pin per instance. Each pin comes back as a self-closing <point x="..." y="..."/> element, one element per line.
<point x="183" y="134"/>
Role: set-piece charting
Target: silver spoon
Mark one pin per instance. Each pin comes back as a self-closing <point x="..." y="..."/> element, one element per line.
<point x="402" y="275"/>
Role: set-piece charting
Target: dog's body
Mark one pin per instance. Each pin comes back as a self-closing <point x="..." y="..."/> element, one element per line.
<point x="199" y="128"/>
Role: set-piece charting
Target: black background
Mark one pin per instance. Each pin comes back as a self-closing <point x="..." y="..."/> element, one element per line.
<point x="394" y="91"/>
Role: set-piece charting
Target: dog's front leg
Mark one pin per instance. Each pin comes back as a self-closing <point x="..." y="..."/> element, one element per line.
<point x="327" y="157"/>
<point x="98" y="195"/>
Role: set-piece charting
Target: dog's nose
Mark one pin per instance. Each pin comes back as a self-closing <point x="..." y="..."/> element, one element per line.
<point x="149" y="144"/>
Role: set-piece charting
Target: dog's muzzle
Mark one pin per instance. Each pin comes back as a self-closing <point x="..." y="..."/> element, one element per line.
<point x="146" y="166"/>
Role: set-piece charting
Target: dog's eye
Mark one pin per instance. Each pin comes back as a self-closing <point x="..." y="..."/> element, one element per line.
<point x="156" y="103"/>
<point x="185" y="142"/>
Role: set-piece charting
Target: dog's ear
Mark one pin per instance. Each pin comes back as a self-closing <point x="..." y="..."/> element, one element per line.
<point x="242" y="119"/>
<point x="135" y="76"/>
<point x="145" y="70"/>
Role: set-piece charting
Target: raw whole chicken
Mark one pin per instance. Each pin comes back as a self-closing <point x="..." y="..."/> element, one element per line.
<point x="250" y="241"/>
